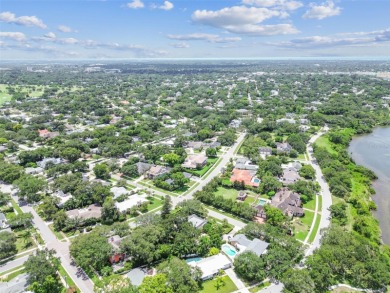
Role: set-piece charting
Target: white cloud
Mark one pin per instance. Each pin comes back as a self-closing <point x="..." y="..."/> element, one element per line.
<point x="135" y="4"/>
<point x="279" y="4"/>
<point x="16" y="36"/>
<point x="204" y="37"/>
<point x="50" y="35"/>
<point x="10" y="17"/>
<point x="244" y="20"/>
<point x="180" y="45"/>
<point x="344" y="39"/>
<point x="65" y="29"/>
<point x="324" y="10"/>
<point x="165" y="6"/>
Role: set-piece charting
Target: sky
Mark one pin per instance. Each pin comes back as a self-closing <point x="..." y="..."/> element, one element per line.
<point x="115" y="29"/>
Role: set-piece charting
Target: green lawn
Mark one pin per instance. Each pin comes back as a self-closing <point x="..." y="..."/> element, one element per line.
<point x="302" y="225"/>
<point x="250" y="199"/>
<point x="226" y="214"/>
<point x="154" y="203"/>
<point x="209" y="286"/>
<point x="323" y="141"/>
<point x="311" y="205"/>
<point x="58" y="234"/>
<point x="11" y="270"/>
<point x="210" y="163"/>
<point x="259" y="287"/>
<point x="227" y="192"/>
<point x="16" y="207"/>
<point x="23" y="244"/>
<point x="315" y="229"/>
<point x="13" y="275"/>
<point x="67" y="278"/>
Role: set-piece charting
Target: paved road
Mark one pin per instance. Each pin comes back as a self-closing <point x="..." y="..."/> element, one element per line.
<point x="326" y="200"/>
<point x="62" y="248"/>
<point x="13" y="263"/>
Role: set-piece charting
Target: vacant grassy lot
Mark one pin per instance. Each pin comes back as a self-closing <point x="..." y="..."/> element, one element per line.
<point x="323" y="141"/>
<point x="209" y="286"/>
<point x="302" y="225"/>
<point x="227" y="192"/>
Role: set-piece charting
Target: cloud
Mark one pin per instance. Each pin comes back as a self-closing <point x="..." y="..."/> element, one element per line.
<point x="324" y="10"/>
<point x="50" y="35"/>
<point x="16" y="36"/>
<point x="244" y="20"/>
<point x="65" y="29"/>
<point x="204" y="37"/>
<point x="279" y="4"/>
<point x="180" y="45"/>
<point x="345" y="39"/>
<point x="166" y="6"/>
<point x="135" y="4"/>
<point x="10" y="17"/>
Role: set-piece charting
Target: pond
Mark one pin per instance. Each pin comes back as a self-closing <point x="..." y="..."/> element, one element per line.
<point x="373" y="152"/>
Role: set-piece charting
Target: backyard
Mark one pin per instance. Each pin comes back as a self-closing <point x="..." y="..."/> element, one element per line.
<point x="210" y="286"/>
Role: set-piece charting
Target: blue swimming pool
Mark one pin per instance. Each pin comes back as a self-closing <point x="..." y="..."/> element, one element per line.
<point x="256" y="180"/>
<point x="262" y="201"/>
<point x="195" y="259"/>
<point x="229" y="250"/>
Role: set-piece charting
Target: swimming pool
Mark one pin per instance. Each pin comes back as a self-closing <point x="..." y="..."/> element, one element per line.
<point x="229" y="250"/>
<point x="256" y="180"/>
<point x="262" y="201"/>
<point x="193" y="259"/>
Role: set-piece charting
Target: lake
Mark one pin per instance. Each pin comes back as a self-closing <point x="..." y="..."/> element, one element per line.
<point x="373" y="152"/>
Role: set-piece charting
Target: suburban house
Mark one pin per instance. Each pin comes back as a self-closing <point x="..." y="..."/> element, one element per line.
<point x="44" y="133"/>
<point x="117" y="255"/>
<point x="137" y="275"/>
<point x="197" y="221"/>
<point x="283" y="147"/>
<point x="47" y="161"/>
<point x="63" y="197"/>
<point x="210" y="266"/>
<point x="90" y="212"/>
<point x="260" y="211"/>
<point x="242" y="195"/>
<point x="195" y="161"/>
<point x="195" y="145"/>
<point x="289" y="202"/>
<point x="3" y="221"/>
<point x="265" y="151"/>
<point x="157" y="171"/>
<point x="118" y="191"/>
<point x="131" y="201"/>
<point x="142" y="167"/>
<point x="246" y="176"/>
<point x="289" y="176"/>
<point x="33" y="171"/>
<point x="242" y="243"/>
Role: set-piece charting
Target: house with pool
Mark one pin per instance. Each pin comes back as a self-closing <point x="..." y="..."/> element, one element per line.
<point x="241" y="243"/>
<point x="210" y="266"/>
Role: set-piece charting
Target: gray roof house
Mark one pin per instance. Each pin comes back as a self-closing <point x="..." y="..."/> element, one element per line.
<point x="137" y="275"/>
<point x="242" y="243"/>
<point x="142" y="168"/>
<point x="118" y="191"/>
<point x="197" y="221"/>
<point x="283" y="147"/>
<point x="46" y="161"/>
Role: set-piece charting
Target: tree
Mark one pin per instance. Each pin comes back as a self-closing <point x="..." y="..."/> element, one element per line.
<point x="70" y="154"/>
<point x="172" y="159"/>
<point x="48" y="208"/>
<point x="275" y="216"/>
<point x="211" y="152"/>
<point x="21" y="220"/>
<point x="29" y="186"/>
<point x="167" y="206"/>
<point x="219" y="283"/>
<point x="179" y="180"/>
<point x="249" y="267"/>
<point x="60" y="220"/>
<point x="339" y="213"/>
<point x="91" y="251"/>
<point x="180" y="276"/>
<point x="40" y="266"/>
<point x="308" y="172"/>
<point x="155" y="284"/>
<point x="7" y="244"/>
<point x="269" y="184"/>
<point x="114" y="284"/>
<point x="298" y="281"/>
<point x="101" y="171"/>
<point x="49" y="285"/>
<point x="110" y="212"/>
<point x="130" y="170"/>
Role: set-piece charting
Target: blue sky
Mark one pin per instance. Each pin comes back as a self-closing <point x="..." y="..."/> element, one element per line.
<point x="85" y="29"/>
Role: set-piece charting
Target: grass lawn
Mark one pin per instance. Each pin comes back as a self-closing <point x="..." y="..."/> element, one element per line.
<point x="21" y="244"/>
<point x="259" y="287"/>
<point x="13" y="275"/>
<point x="16" y="207"/>
<point x="58" y="234"/>
<point x="209" y="286"/>
<point x="226" y="214"/>
<point x="154" y="204"/>
<point x="149" y="183"/>
<point x="67" y="278"/>
<point x="323" y="141"/>
<point x="302" y="225"/>
<point x="227" y="192"/>
<point x="250" y="199"/>
<point x="210" y="163"/>
<point x="311" y="205"/>
<point x="315" y="229"/>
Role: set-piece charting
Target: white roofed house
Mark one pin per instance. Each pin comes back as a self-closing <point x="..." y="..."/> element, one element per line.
<point x="197" y="221"/>
<point x="195" y="161"/>
<point x="211" y="266"/>
<point x="242" y="243"/>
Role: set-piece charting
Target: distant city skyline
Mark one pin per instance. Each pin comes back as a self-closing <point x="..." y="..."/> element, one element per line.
<point x="247" y="29"/>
